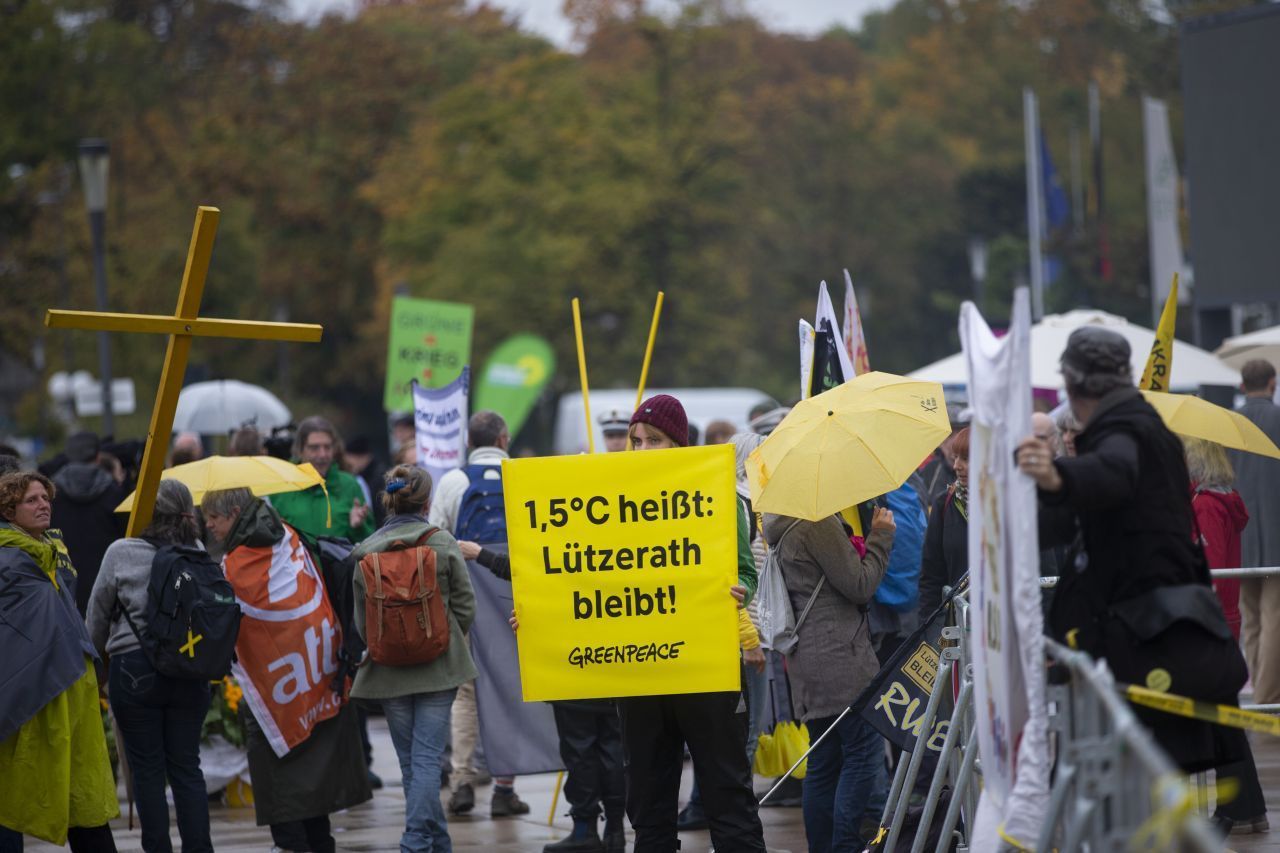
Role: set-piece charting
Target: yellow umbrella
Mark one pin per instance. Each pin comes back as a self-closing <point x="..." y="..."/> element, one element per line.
<point x="847" y="445"/>
<point x="262" y="475"/>
<point x="1197" y="418"/>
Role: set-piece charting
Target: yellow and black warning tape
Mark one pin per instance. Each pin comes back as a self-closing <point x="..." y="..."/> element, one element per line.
<point x="1182" y="706"/>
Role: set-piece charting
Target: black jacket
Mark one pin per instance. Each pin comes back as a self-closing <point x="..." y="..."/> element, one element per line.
<point x="1126" y="504"/>
<point x="84" y="507"/>
<point x="945" y="558"/>
<point x="1129" y="492"/>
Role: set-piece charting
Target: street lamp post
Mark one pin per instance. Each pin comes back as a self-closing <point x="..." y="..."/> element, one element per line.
<point x="94" y="160"/>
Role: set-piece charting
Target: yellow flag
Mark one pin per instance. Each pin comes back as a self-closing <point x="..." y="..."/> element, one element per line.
<point x="1160" y="363"/>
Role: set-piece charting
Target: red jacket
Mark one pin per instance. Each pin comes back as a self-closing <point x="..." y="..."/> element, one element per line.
<point x="1221" y="517"/>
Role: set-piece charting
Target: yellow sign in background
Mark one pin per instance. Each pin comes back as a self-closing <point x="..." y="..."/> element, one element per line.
<point x="621" y="565"/>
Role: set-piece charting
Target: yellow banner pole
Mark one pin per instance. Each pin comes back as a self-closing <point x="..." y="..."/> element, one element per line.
<point x="648" y="350"/>
<point x="555" y="798"/>
<point x="582" y="371"/>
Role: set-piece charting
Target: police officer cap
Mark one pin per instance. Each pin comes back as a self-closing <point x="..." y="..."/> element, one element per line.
<point x="614" y="421"/>
<point x="1093" y="350"/>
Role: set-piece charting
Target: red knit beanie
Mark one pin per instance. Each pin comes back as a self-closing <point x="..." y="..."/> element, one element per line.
<point x="664" y="412"/>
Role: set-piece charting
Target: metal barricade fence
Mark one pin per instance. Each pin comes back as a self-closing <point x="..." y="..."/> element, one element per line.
<point x="1112" y="789"/>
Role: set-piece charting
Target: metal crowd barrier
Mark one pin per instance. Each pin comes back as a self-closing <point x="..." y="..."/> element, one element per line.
<point x="957" y="764"/>
<point x="1112" y="788"/>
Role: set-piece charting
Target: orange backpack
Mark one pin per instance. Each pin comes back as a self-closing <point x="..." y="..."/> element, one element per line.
<point x="405" y="618"/>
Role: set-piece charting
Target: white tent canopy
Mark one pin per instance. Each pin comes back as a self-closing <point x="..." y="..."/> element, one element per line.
<point x="1263" y="344"/>
<point x="1192" y="366"/>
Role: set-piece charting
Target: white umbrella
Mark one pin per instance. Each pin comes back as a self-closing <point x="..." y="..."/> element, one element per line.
<point x="1263" y="344"/>
<point x="1192" y="366"/>
<point x="216" y="408"/>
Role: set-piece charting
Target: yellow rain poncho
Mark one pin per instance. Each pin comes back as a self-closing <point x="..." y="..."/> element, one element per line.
<point x="54" y="769"/>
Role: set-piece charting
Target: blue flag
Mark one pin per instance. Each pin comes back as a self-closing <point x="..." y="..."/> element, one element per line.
<point x="1057" y="210"/>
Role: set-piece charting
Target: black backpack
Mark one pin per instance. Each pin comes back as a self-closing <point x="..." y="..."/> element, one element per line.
<point x="192" y="615"/>
<point x="333" y="556"/>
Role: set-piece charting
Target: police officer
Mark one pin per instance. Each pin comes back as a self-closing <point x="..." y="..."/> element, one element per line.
<point x="615" y="424"/>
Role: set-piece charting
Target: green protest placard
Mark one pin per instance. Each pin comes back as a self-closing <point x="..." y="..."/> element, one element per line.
<point x="513" y="378"/>
<point x="428" y="341"/>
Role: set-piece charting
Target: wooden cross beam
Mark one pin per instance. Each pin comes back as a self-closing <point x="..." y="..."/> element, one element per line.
<point x="184" y="325"/>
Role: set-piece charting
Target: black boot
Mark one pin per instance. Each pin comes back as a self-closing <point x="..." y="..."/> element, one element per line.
<point x="584" y="839"/>
<point x="615" y="837"/>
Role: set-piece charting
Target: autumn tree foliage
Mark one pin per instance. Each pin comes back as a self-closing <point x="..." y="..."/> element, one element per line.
<point x="432" y="148"/>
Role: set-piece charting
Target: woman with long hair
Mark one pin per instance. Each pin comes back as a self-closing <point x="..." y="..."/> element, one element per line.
<point x="1220" y="518"/>
<point x="417" y="698"/>
<point x="160" y="717"/>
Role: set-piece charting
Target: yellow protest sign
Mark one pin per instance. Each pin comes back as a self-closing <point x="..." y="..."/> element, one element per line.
<point x="621" y="565"/>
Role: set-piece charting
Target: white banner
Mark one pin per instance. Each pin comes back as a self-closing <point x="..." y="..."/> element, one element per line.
<point x="1164" y="228"/>
<point x="440" y="422"/>
<point x="1004" y="558"/>
<point x="807" y="336"/>
<point x="855" y="344"/>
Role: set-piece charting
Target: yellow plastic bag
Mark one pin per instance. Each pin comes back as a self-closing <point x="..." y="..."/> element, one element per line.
<point x="776" y="752"/>
<point x="769" y="757"/>
<point x="794" y="738"/>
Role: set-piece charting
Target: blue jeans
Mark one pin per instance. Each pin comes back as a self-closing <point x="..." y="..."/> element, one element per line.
<point x="756" y="686"/>
<point x="838" y="783"/>
<point x="161" y="719"/>
<point x="419" y="725"/>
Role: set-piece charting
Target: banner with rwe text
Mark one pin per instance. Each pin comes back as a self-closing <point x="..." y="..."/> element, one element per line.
<point x="621" y="565"/>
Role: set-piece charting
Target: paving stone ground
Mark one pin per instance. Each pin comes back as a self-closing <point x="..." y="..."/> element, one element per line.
<point x="376" y="826"/>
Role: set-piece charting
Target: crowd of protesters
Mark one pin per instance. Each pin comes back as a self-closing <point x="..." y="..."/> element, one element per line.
<point x="1131" y="517"/>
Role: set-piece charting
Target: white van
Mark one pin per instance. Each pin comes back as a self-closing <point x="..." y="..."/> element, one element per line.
<point x="702" y="405"/>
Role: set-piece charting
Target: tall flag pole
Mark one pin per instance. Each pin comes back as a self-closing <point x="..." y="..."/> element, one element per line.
<point x="1035" y="205"/>
<point x="1164" y="230"/>
<point x="1099" y="198"/>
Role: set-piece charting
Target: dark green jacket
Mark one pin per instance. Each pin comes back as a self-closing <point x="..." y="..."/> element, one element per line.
<point x="308" y="511"/>
<point x="746" y="560"/>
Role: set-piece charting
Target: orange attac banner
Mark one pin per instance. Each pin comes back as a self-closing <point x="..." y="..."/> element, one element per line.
<point x="289" y="639"/>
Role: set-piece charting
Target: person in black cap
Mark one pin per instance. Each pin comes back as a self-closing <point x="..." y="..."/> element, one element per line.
<point x="1135" y="589"/>
<point x="84" y="509"/>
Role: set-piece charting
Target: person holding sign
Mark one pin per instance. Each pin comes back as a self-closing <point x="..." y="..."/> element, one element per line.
<point x="1136" y="589"/>
<point x="714" y="725"/>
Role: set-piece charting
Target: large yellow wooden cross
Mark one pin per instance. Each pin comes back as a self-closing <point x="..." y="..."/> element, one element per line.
<point x="181" y="328"/>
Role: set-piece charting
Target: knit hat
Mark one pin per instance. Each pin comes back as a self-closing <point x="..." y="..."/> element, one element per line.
<point x="664" y="412"/>
<point x="1092" y="349"/>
